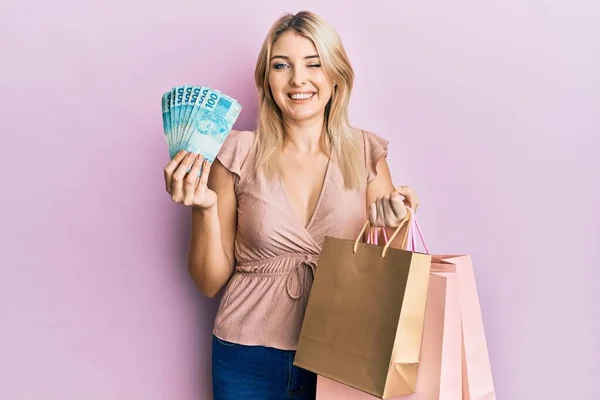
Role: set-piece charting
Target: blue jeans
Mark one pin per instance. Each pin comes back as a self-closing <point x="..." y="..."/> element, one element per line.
<point x="258" y="373"/>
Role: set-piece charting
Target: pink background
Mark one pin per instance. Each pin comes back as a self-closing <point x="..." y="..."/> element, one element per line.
<point x="492" y="111"/>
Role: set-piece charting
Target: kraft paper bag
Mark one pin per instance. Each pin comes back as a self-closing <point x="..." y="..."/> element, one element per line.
<point x="363" y="325"/>
<point x="462" y="369"/>
<point x="440" y="369"/>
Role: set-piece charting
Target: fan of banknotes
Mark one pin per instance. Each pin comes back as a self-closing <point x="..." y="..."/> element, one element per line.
<point x="197" y="119"/>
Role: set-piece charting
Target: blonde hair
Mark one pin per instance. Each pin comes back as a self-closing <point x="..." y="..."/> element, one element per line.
<point x="336" y="65"/>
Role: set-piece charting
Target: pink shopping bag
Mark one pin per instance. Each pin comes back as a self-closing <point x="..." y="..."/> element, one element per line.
<point x="478" y="381"/>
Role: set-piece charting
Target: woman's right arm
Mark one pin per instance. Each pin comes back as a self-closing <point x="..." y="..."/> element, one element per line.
<point x="211" y="257"/>
<point x="213" y="202"/>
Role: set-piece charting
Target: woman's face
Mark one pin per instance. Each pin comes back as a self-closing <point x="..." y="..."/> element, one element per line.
<point x="297" y="81"/>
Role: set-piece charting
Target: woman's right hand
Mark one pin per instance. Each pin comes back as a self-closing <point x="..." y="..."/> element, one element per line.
<point x="186" y="187"/>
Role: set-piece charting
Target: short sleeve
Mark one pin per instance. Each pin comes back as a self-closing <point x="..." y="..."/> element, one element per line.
<point x="234" y="151"/>
<point x="376" y="147"/>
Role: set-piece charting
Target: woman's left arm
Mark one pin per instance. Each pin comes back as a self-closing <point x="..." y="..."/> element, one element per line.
<point x="386" y="203"/>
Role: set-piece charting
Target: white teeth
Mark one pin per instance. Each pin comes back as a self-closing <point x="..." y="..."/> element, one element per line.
<point x="301" y="96"/>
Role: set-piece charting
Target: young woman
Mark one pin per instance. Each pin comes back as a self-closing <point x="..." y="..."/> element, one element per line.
<point x="261" y="215"/>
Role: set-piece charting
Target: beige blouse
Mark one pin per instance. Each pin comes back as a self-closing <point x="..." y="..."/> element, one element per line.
<point x="275" y="255"/>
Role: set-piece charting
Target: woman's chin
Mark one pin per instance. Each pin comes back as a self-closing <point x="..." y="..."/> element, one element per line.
<point x="299" y="115"/>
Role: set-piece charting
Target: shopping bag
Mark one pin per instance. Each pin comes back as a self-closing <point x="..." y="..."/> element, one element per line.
<point x="439" y="375"/>
<point x="473" y="365"/>
<point x="478" y="382"/>
<point x="364" y="319"/>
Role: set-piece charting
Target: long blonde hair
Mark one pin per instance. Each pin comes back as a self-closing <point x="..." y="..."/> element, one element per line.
<point x="270" y="128"/>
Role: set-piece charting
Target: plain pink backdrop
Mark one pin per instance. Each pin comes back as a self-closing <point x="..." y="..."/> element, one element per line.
<point x="492" y="110"/>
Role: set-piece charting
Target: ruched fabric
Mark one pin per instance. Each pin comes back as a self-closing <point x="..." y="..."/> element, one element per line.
<point x="276" y="256"/>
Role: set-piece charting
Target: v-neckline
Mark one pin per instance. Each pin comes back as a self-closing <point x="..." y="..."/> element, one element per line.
<point x="317" y="204"/>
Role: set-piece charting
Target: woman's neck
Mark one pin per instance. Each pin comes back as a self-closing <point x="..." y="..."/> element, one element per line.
<point x="304" y="137"/>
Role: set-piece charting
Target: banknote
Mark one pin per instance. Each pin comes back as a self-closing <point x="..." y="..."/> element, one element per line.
<point x="185" y="109"/>
<point x="173" y="116"/>
<point x="166" y="118"/>
<point x="197" y="119"/>
<point x="179" y="93"/>
<point x="192" y="111"/>
<point x="213" y="122"/>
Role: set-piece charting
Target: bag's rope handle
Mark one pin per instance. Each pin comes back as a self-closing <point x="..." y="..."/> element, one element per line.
<point x="411" y="236"/>
<point x="415" y="227"/>
<point x="362" y="232"/>
<point x="408" y="218"/>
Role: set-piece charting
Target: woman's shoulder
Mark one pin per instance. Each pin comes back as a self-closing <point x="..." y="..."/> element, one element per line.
<point x="371" y="141"/>
<point x="235" y="149"/>
<point x="374" y="148"/>
<point x="239" y="138"/>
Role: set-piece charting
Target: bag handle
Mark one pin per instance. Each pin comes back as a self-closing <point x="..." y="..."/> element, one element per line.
<point x="373" y="237"/>
<point x="409" y="237"/>
<point x="408" y="219"/>
<point x="414" y="226"/>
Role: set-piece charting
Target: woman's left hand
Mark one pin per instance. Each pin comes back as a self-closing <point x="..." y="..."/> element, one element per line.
<point x="389" y="211"/>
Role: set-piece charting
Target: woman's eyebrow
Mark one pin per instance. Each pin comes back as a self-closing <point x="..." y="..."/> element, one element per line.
<point x="287" y="58"/>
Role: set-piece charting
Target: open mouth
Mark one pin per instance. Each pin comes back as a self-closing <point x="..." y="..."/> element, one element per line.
<point x="301" y="96"/>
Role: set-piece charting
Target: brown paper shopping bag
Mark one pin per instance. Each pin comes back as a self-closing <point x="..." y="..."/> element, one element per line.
<point x="440" y="363"/>
<point x="364" y="320"/>
<point x="462" y="369"/>
<point x="439" y="376"/>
